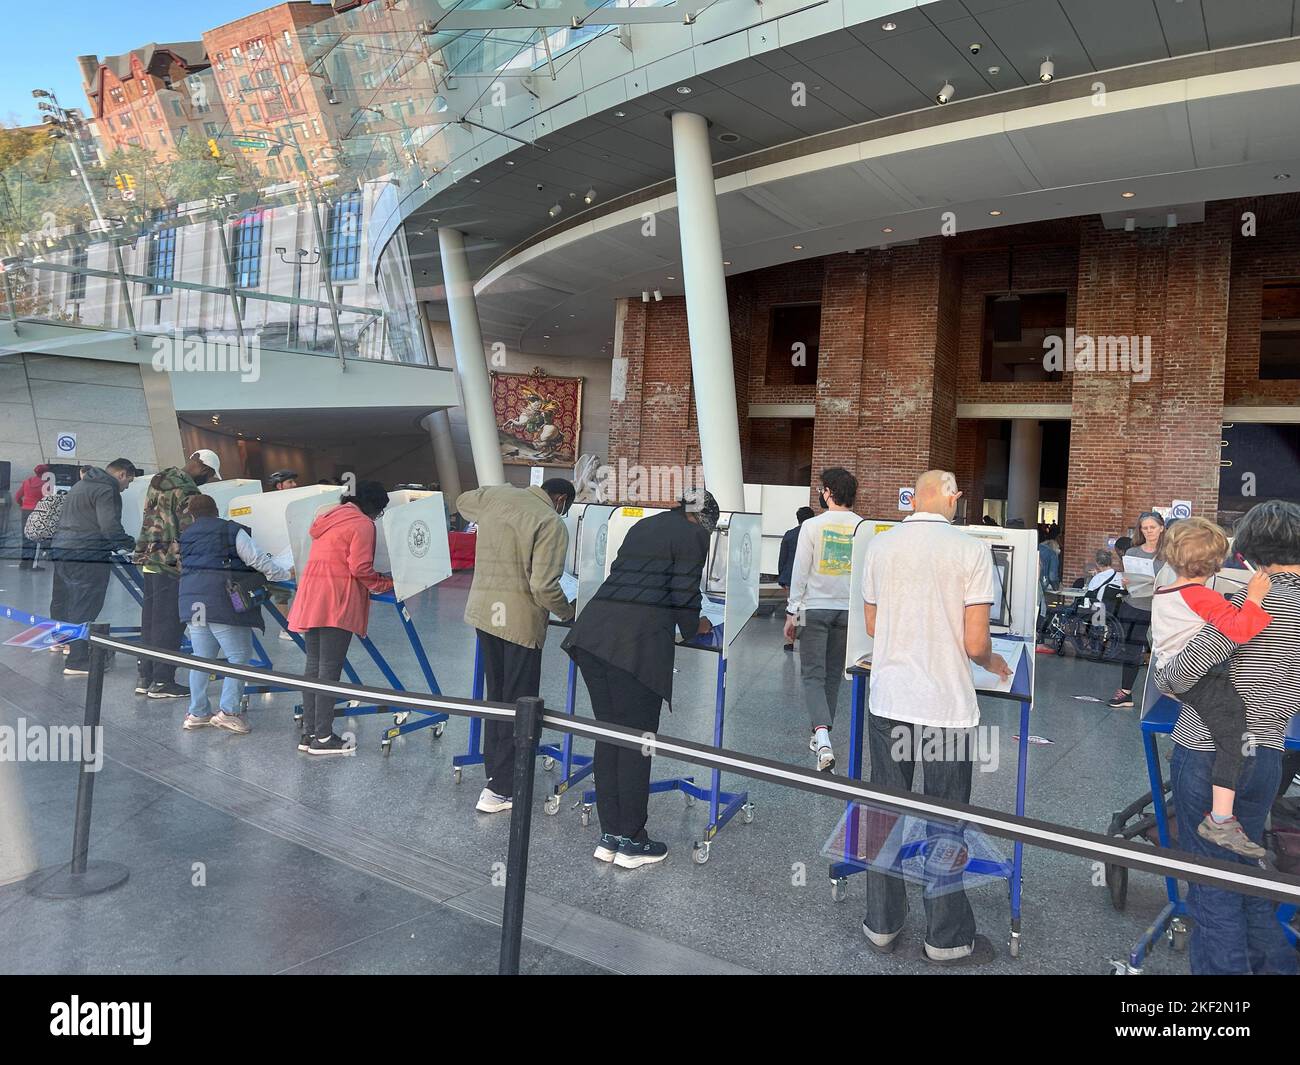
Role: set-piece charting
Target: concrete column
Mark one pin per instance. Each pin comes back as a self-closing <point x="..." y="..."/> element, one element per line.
<point x="444" y="455"/>
<point x="471" y="364"/>
<point x="1024" y="470"/>
<point x="707" y="321"/>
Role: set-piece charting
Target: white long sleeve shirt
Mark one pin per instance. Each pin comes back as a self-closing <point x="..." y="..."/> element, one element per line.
<point x="823" y="561"/>
<point x="273" y="567"/>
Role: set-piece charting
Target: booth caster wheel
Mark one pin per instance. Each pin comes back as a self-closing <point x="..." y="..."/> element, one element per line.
<point x="552" y="805"/>
<point x="747" y="813"/>
<point x="1117" y="883"/>
<point x="1178" y="932"/>
<point x="439" y="729"/>
<point x="243" y="704"/>
<point x="456" y="774"/>
<point x="548" y="763"/>
<point x="700" y="852"/>
<point x="1014" y="945"/>
<point x="401" y="717"/>
<point x="386" y="746"/>
<point x="585" y="816"/>
<point x="839" y="888"/>
<point x="690" y="799"/>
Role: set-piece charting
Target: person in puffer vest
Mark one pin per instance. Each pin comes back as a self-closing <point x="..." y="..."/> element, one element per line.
<point x="213" y="550"/>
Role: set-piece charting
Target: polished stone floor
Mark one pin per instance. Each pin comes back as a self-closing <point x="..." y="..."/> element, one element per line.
<point x="246" y="856"/>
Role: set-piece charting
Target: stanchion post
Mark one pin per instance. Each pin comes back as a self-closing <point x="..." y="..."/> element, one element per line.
<point x="528" y="722"/>
<point x="82" y="877"/>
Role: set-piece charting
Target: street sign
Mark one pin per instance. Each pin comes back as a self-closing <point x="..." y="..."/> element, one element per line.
<point x="248" y="142"/>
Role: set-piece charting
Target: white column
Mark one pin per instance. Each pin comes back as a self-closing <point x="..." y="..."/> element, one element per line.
<point x="1024" y="469"/>
<point x="471" y="364"/>
<point x="444" y="455"/>
<point x="707" y="321"/>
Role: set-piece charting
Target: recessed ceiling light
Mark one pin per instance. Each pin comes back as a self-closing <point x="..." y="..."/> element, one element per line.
<point x="995" y="213"/>
<point x="510" y="162"/>
<point x="995" y="70"/>
<point x="889" y="27"/>
<point x="1128" y="195"/>
<point x="546" y="336"/>
<point x="620" y="114"/>
<point x="1282" y="177"/>
<point x="887" y="229"/>
<point x="726" y="262"/>
<point x="684" y="90"/>
<point x="671" y="277"/>
<point x="798" y="247"/>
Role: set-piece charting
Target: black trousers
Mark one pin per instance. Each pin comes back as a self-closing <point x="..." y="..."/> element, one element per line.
<point x="511" y="672"/>
<point x="1223" y="710"/>
<point x="85" y="584"/>
<point x="1136" y="625"/>
<point x="160" y="626"/>
<point x="622" y="773"/>
<point x="326" y="649"/>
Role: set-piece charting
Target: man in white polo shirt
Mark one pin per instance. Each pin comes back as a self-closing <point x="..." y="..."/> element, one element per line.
<point x="927" y="588"/>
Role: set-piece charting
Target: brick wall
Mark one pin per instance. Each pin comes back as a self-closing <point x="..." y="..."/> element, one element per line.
<point x="900" y="347"/>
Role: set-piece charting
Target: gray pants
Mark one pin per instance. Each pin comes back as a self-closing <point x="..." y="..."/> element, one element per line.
<point x="822" y="643"/>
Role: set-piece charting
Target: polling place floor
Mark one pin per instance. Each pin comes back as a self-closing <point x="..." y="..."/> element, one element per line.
<point x="247" y="856"/>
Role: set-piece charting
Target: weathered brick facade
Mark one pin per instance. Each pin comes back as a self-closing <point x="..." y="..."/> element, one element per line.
<point x="900" y="343"/>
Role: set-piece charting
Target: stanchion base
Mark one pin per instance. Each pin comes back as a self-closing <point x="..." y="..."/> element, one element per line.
<point x="61" y="882"/>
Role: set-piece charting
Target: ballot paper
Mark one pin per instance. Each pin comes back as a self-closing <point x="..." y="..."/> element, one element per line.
<point x="569" y="585"/>
<point x="1146" y="567"/>
<point x="1010" y="650"/>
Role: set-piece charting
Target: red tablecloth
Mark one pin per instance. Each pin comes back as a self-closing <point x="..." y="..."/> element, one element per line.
<point x="462" y="549"/>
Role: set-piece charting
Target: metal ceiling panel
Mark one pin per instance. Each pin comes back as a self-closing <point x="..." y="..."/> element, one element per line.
<point x="1231" y="22"/>
<point x="1116" y="33"/>
<point x="1032" y="30"/>
<point x="1183" y="25"/>
<point x="1154" y="140"/>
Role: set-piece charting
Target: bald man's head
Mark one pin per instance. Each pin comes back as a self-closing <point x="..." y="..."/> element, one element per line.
<point x="936" y="493"/>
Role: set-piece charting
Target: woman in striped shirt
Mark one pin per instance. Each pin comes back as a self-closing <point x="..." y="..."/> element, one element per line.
<point x="1235" y="933"/>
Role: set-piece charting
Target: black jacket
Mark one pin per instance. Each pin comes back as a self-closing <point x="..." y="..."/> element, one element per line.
<point x="653" y="588"/>
<point x="90" y="523"/>
<point x="785" y="561"/>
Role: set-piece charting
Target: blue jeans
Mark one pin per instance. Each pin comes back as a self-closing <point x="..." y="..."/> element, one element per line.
<point x="1231" y="933"/>
<point x="234" y="643"/>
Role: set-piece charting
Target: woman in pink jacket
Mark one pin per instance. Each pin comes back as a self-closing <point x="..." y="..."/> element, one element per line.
<point x="333" y="602"/>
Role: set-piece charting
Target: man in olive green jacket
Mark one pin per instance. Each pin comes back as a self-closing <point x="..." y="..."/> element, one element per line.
<point x="519" y="558"/>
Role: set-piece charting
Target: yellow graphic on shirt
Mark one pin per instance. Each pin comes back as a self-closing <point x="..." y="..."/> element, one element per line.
<point x="835" y="559"/>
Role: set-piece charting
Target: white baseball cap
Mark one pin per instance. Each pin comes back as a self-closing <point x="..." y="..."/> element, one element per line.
<point x="210" y="460"/>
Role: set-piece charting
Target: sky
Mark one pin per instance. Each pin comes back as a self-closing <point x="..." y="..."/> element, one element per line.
<point x="41" y="40"/>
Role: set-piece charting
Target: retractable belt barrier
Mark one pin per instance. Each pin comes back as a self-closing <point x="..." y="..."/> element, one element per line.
<point x="530" y="719"/>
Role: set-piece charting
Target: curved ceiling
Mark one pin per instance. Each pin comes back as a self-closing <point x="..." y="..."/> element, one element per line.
<point x="1174" y="145"/>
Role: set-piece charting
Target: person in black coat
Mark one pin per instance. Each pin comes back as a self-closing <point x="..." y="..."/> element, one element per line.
<point x="623" y="642"/>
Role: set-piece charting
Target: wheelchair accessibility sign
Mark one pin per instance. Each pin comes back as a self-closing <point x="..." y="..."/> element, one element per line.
<point x="905" y="499"/>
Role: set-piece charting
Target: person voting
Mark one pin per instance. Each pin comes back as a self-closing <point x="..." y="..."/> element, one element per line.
<point x="623" y="643"/>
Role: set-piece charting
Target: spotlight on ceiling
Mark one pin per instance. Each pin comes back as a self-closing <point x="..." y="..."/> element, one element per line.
<point x="1046" y="71"/>
<point x="555" y="210"/>
<point x="946" y="93"/>
<point x="590" y="197"/>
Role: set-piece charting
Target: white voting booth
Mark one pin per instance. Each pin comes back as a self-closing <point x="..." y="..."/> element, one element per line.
<point x="1015" y="580"/>
<point x="585" y="561"/>
<point x="222" y="491"/>
<point x="730" y="580"/>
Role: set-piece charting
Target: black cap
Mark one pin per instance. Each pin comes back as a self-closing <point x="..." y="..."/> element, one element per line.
<point x="284" y="475"/>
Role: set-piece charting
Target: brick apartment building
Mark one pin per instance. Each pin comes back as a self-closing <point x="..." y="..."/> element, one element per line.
<point x="151" y="97"/>
<point x="903" y="372"/>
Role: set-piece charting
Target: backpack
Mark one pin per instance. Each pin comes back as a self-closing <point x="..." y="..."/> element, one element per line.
<point x="44" y="518"/>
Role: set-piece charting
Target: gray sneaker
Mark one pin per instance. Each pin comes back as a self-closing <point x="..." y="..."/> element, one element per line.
<point x="230" y="722"/>
<point x="1230" y="836"/>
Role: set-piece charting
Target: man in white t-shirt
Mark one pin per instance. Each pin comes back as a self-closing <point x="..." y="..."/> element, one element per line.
<point x="819" y="604"/>
<point x="927" y="588"/>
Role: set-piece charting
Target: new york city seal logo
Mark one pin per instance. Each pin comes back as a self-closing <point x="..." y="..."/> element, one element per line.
<point x="418" y="539"/>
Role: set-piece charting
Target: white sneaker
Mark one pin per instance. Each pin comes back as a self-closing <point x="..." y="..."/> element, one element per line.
<point x="230" y="722"/>
<point x="489" y="802"/>
<point x="284" y="635"/>
<point x="192" y="722"/>
<point x="820" y="744"/>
